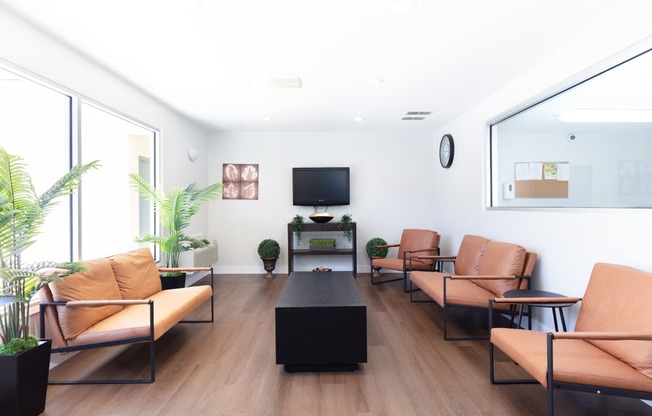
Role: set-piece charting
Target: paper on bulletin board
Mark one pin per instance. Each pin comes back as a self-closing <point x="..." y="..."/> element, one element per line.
<point x="556" y="171"/>
<point x="541" y="179"/>
<point x="530" y="171"/>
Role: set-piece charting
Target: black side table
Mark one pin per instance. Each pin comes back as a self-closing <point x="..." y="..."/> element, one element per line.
<point x="555" y="307"/>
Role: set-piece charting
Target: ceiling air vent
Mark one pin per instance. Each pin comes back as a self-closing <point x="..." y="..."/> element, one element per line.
<point x="416" y="115"/>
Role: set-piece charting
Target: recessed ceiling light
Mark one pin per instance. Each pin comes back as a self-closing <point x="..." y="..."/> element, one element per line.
<point x="267" y="119"/>
<point x="359" y="118"/>
<point x="376" y="81"/>
<point x="403" y="6"/>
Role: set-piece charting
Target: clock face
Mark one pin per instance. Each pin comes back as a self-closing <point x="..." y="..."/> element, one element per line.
<point x="446" y="151"/>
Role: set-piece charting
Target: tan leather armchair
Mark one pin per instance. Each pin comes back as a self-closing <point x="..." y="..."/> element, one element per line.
<point x="610" y="351"/>
<point x="414" y="242"/>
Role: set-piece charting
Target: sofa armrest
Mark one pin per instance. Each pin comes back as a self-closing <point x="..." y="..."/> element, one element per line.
<point x="440" y="258"/>
<point x="436" y="249"/>
<point x="388" y="246"/>
<point x="605" y="336"/>
<point x="484" y="277"/>
<point x="98" y="303"/>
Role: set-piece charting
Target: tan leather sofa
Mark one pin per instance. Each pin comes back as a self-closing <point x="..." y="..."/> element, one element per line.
<point x="116" y="300"/>
<point x="483" y="269"/>
<point x="610" y="351"/>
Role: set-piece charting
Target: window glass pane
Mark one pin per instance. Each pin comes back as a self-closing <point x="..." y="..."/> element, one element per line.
<point x="35" y="126"/>
<point x="112" y="212"/>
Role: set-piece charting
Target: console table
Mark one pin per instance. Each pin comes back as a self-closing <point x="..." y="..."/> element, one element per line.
<point x="321" y="323"/>
<point x="317" y="227"/>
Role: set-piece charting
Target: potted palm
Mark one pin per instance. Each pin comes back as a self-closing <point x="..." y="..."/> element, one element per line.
<point x="269" y="250"/>
<point x="25" y="360"/>
<point x="176" y="209"/>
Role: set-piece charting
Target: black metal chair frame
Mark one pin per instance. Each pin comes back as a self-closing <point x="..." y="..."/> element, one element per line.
<point x="133" y="340"/>
<point x="552" y="384"/>
<point x="406" y="268"/>
<point x="439" y="266"/>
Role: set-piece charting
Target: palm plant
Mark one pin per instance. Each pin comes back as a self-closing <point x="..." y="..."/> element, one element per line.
<point x="22" y="214"/>
<point x="176" y="209"/>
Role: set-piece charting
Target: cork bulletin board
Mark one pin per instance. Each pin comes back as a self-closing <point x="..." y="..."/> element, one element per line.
<point x="541" y="179"/>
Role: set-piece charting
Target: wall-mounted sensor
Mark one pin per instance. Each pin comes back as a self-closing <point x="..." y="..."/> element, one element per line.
<point x="508" y="190"/>
<point x="572" y="137"/>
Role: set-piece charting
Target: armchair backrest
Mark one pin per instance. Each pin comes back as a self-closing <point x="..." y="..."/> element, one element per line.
<point x="503" y="259"/>
<point x="413" y="239"/>
<point x="468" y="257"/>
<point x="619" y="299"/>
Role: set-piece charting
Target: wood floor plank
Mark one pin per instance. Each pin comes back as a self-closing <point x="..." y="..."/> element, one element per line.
<point x="229" y="368"/>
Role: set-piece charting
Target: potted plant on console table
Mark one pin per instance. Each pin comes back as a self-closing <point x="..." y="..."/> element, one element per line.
<point x="25" y="360"/>
<point x="176" y="208"/>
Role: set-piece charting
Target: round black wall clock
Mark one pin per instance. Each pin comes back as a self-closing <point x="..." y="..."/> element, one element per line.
<point x="446" y="151"/>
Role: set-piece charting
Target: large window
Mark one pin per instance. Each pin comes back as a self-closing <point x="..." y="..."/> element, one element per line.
<point x="51" y="131"/>
<point x="36" y="126"/>
<point x="112" y="213"/>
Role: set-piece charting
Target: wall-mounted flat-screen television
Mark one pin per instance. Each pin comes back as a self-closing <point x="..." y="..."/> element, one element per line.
<point x="320" y="186"/>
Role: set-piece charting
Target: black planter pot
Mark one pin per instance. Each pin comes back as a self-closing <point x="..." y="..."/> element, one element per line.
<point x="24" y="381"/>
<point x="173" y="282"/>
<point x="269" y="265"/>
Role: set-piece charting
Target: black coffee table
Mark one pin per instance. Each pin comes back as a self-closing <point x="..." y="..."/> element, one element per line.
<point x="321" y="323"/>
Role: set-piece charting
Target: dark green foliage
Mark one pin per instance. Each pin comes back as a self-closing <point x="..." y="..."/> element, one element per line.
<point x="269" y="249"/>
<point x="346" y="225"/>
<point x="17" y="345"/>
<point x="373" y="250"/>
<point x="297" y="221"/>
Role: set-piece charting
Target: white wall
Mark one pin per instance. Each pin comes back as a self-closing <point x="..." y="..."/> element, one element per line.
<point x="391" y="189"/>
<point x="29" y="49"/>
<point x="568" y="241"/>
<point x="396" y="181"/>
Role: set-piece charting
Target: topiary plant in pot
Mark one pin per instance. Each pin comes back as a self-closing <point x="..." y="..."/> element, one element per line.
<point x="376" y="248"/>
<point x="269" y="250"/>
<point x="176" y="209"/>
<point x="25" y="360"/>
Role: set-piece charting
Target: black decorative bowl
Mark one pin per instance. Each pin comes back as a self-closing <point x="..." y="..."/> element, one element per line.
<point x="321" y="217"/>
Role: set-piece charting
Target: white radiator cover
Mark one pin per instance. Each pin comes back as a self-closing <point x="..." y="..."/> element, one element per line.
<point x="199" y="257"/>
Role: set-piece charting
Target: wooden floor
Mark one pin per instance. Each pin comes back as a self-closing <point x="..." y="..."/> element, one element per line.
<point x="228" y="368"/>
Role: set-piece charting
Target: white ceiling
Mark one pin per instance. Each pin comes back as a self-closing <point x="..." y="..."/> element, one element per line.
<point x="211" y="59"/>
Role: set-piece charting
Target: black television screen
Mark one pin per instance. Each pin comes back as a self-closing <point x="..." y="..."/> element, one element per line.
<point x="320" y="186"/>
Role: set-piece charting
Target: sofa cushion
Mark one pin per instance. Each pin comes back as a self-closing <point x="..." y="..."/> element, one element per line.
<point x="469" y="255"/>
<point x="629" y="311"/>
<point x="97" y="282"/>
<point x="170" y="306"/>
<point x="136" y="274"/>
<point x="504" y="259"/>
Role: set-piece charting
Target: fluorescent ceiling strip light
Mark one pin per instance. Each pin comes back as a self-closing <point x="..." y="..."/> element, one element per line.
<point x="605" y="115"/>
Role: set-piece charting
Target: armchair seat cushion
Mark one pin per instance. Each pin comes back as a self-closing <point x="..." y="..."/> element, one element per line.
<point x="397" y="264"/>
<point x="574" y="361"/>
